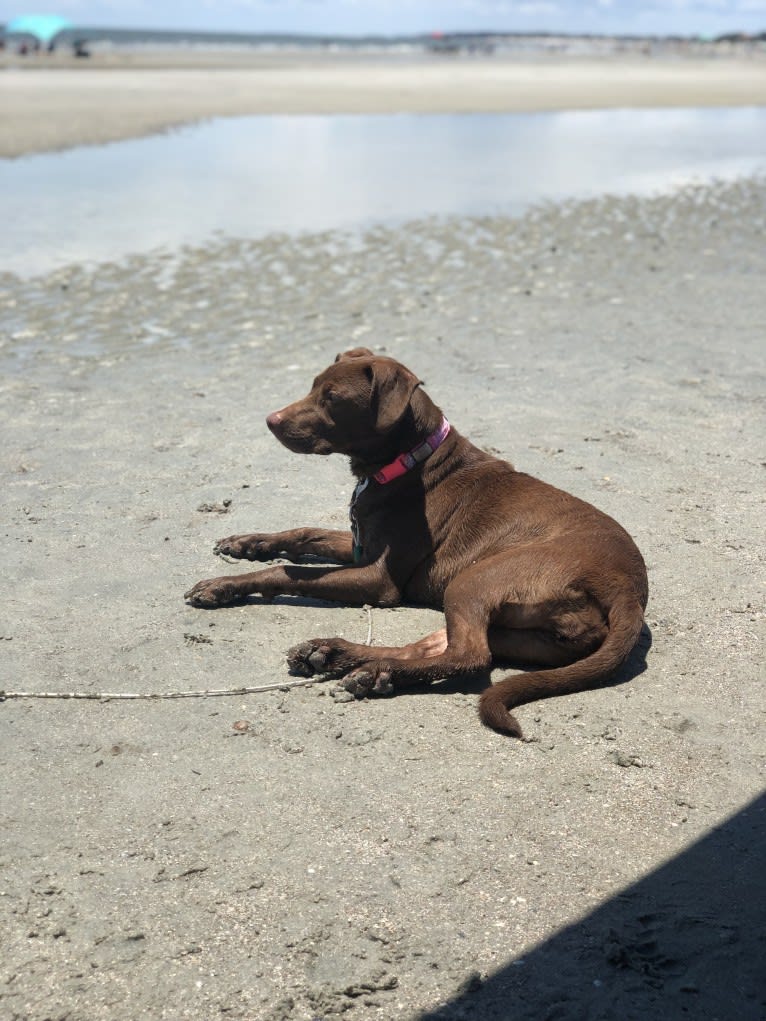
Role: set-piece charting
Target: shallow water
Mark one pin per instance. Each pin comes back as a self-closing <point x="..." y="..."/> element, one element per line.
<point x="250" y="176"/>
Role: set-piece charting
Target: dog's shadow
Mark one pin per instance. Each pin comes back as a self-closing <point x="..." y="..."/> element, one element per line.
<point x="475" y="683"/>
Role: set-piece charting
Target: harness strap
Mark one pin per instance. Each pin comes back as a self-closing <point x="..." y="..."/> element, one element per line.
<point x="404" y="462"/>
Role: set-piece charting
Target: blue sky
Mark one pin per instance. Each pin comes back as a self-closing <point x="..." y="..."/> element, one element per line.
<point x="394" y="16"/>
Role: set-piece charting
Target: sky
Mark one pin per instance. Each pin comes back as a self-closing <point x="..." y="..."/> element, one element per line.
<point x="391" y="17"/>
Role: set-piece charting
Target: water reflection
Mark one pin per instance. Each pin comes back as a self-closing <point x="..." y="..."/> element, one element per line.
<point x="249" y="176"/>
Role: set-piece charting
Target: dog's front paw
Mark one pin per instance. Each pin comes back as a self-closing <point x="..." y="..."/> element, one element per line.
<point x="245" y="547"/>
<point x="320" y="656"/>
<point x="368" y="679"/>
<point x="214" y="592"/>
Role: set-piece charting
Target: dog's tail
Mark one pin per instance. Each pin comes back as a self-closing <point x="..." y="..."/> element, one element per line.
<point x="625" y="620"/>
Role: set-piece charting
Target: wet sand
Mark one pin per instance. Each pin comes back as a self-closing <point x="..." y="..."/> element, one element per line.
<point x="48" y="108"/>
<point x="288" y="856"/>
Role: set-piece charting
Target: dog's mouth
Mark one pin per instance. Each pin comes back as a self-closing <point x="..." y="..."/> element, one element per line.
<point x="298" y="440"/>
<point x="303" y="445"/>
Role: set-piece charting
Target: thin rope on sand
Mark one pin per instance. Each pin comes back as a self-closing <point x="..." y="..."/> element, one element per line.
<point x="203" y="693"/>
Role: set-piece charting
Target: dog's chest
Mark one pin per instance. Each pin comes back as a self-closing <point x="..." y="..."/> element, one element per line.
<point x="404" y="532"/>
<point x="382" y="525"/>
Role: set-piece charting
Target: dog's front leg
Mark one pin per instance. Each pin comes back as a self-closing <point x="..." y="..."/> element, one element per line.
<point x="292" y="544"/>
<point x="352" y="585"/>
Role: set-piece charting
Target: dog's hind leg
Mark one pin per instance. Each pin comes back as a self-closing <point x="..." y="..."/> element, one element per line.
<point x="462" y="647"/>
<point x="524" y="647"/>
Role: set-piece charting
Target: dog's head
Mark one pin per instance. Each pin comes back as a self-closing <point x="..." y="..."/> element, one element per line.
<point x="351" y="408"/>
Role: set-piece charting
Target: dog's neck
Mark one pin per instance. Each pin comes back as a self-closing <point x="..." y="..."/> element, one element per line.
<point x="422" y="420"/>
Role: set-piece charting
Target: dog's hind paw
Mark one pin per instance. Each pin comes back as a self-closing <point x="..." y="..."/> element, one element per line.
<point x="371" y="679"/>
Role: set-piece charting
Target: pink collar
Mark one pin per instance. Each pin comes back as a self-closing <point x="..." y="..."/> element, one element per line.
<point x="405" y="462"/>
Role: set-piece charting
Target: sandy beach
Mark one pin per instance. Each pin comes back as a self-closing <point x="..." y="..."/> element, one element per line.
<point x="49" y="106"/>
<point x="293" y="856"/>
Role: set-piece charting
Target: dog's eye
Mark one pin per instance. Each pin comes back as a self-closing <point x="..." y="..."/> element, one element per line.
<point x="331" y="395"/>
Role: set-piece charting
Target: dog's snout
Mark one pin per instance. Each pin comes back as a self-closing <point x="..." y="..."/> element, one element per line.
<point x="274" y="420"/>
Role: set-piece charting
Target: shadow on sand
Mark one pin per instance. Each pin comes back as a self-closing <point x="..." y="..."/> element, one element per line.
<point x="687" y="942"/>
<point x="633" y="667"/>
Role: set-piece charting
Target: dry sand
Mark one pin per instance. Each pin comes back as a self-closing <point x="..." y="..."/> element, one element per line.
<point x="385" y="859"/>
<point x="44" y="109"/>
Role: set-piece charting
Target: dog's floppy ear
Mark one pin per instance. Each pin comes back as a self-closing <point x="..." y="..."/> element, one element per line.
<point x="355" y="352"/>
<point x="392" y="388"/>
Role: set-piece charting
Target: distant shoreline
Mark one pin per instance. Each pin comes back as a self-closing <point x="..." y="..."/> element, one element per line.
<point x="56" y="103"/>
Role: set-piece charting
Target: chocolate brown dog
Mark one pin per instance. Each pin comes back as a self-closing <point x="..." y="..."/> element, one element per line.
<point x="522" y="571"/>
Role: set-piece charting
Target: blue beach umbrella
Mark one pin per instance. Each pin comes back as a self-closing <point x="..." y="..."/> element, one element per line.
<point x="43" y="27"/>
